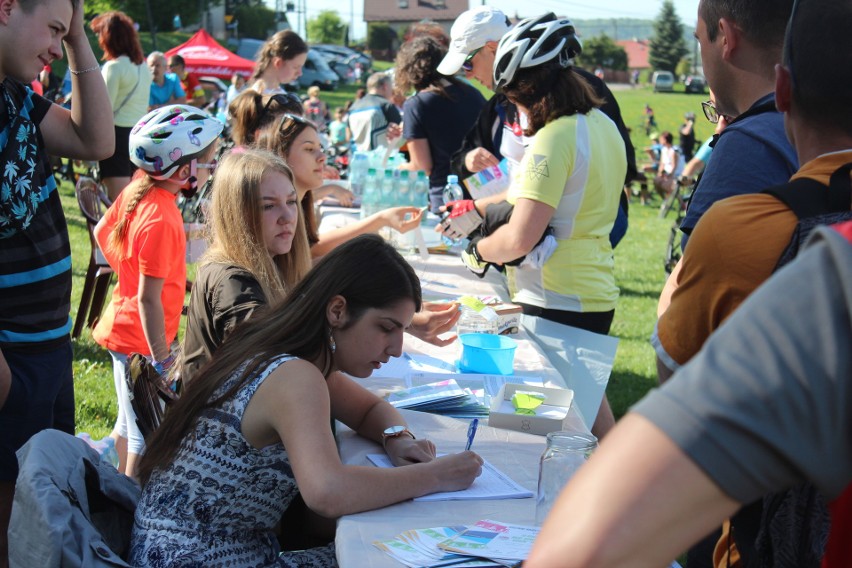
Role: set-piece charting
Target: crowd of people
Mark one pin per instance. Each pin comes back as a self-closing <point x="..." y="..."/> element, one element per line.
<point x="749" y="430"/>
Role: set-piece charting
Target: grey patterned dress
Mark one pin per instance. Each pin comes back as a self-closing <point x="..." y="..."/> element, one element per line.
<point x="218" y="501"/>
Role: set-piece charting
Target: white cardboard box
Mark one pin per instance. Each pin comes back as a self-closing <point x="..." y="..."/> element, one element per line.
<point x="551" y="416"/>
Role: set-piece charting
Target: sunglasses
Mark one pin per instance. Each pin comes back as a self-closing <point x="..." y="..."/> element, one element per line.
<point x="467" y="64"/>
<point x="711" y="114"/>
<point x="286" y="100"/>
<point x="293" y="118"/>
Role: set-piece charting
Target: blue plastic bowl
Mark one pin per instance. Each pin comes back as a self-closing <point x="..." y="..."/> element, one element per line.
<point x="487" y="353"/>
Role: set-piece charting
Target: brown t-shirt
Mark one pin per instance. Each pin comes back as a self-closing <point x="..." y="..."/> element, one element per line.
<point x="223" y="296"/>
<point x="732" y="251"/>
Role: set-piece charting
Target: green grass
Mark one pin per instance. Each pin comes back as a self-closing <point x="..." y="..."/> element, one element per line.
<point x="639" y="272"/>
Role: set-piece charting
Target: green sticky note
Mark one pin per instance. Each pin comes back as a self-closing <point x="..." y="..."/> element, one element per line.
<point x="525" y="402"/>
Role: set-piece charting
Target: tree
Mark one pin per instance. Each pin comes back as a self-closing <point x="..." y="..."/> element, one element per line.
<point x="255" y="21"/>
<point x="667" y="45"/>
<point x="601" y="51"/>
<point x="327" y="27"/>
<point x="380" y="38"/>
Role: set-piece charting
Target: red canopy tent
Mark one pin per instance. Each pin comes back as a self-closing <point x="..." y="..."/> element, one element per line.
<point x="204" y="56"/>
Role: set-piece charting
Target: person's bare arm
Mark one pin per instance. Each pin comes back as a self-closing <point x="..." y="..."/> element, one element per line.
<point x="520" y="235"/>
<point x="420" y="157"/>
<point x="645" y="518"/>
<point x="83" y="132"/>
<point x="152" y="316"/>
<point x="403" y="219"/>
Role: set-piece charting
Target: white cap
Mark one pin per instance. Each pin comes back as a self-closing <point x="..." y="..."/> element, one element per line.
<point x="471" y="31"/>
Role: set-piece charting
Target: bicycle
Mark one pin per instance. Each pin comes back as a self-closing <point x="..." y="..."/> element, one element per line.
<point x="677" y="200"/>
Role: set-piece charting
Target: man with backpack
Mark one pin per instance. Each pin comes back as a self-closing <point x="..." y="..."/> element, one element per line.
<point x="740" y="240"/>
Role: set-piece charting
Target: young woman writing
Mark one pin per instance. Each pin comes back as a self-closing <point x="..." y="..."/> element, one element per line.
<point x="232" y="452"/>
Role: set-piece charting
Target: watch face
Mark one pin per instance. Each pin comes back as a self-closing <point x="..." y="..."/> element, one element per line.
<point x="394" y="430"/>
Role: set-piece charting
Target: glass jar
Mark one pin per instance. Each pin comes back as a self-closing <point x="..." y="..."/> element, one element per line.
<point x="565" y="453"/>
<point x="471" y="321"/>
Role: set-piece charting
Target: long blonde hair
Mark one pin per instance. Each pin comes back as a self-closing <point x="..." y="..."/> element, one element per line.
<point x="235" y="223"/>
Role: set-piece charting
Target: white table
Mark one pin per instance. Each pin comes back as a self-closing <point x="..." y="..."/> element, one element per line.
<point x="514" y="453"/>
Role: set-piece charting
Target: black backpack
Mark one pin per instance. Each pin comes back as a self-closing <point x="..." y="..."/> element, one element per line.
<point x="794" y="524"/>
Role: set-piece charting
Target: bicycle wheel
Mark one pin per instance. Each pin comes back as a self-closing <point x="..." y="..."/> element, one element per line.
<point x="673" y="252"/>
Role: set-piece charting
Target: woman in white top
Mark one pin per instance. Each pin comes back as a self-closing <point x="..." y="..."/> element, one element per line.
<point x="128" y="82"/>
<point x="279" y="62"/>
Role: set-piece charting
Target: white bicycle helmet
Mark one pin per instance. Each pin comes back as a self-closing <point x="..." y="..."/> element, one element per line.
<point x="171" y="136"/>
<point x="533" y="42"/>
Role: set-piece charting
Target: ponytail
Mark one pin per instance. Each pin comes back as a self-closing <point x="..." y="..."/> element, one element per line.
<point x="140" y="186"/>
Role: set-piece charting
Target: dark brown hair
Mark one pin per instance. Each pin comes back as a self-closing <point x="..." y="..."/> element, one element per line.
<point x="417" y="66"/>
<point x="366" y="271"/>
<point x="285" y="44"/>
<point x="548" y="92"/>
<point x="117" y="36"/>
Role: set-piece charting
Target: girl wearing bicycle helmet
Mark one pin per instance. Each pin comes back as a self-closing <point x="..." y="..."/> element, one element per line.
<point x="570" y="179"/>
<point x="143" y="239"/>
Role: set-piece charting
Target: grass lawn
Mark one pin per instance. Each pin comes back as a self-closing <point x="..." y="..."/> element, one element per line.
<point x="639" y="272"/>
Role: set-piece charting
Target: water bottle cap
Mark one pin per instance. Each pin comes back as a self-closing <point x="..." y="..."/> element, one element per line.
<point x="388" y="173"/>
<point x="452" y="178"/>
<point x="421" y="174"/>
<point x="404" y="174"/>
<point x="371" y="171"/>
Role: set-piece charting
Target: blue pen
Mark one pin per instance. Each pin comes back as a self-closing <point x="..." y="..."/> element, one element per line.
<point x="471" y="433"/>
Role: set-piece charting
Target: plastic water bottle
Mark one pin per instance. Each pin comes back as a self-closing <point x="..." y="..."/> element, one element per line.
<point x="453" y="191"/>
<point x="421" y="189"/>
<point x="371" y="194"/>
<point x="388" y="190"/>
<point x="476" y="317"/>
<point x="358" y="173"/>
<point x="404" y="190"/>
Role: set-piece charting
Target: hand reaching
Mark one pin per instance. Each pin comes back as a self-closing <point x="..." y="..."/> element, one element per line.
<point x="479" y="159"/>
<point x="405" y="450"/>
<point x="403" y="219"/>
<point x="434" y="320"/>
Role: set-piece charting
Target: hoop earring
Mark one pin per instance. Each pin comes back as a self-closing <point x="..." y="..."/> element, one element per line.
<point x="331" y="342"/>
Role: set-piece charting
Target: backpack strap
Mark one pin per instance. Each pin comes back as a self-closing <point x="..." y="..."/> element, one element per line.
<point x="814" y="204"/>
<point x="808" y="198"/>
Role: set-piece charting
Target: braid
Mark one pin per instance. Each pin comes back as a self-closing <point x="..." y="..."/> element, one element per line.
<point x="141" y="187"/>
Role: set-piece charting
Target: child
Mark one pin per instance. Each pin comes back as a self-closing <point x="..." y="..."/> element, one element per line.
<point x="143" y="239"/>
<point x="338" y="131"/>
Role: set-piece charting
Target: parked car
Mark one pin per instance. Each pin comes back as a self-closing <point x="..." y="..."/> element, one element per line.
<point x="341" y="66"/>
<point x="348" y="54"/>
<point x="663" y="81"/>
<point x="317" y="72"/>
<point x="695" y="84"/>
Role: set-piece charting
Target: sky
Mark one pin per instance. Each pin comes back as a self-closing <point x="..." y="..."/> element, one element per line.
<point x="643" y="9"/>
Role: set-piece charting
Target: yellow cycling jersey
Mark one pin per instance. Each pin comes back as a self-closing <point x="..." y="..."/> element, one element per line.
<point x="575" y="164"/>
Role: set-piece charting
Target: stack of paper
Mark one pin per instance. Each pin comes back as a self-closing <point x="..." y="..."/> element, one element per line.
<point x="487" y="543"/>
<point x="443" y="397"/>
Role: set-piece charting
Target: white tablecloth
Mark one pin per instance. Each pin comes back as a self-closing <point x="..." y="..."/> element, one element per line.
<point x="514" y="453"/>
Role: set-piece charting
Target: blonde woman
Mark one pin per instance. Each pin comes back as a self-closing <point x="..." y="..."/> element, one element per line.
<point x="259" y="250"/>
<point x="279" y="61"/>
<point x="143" y="239"/>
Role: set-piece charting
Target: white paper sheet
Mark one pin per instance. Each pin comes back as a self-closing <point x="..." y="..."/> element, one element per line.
<point x="492" y="484"/>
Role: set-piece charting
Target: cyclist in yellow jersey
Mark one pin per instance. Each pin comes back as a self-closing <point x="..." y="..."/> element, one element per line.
<point x="570" y="180"/>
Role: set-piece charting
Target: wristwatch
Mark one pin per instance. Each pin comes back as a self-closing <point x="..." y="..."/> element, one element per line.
<point x="395" y="432"/>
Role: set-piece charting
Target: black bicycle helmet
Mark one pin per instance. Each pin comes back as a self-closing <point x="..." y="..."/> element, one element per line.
<point x="533" y="42"/>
